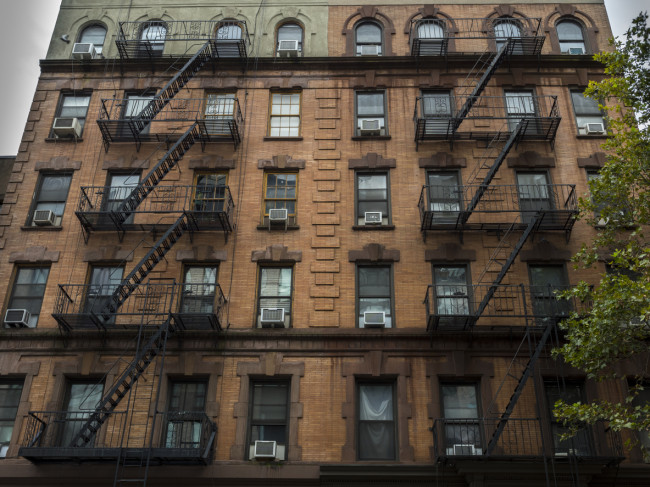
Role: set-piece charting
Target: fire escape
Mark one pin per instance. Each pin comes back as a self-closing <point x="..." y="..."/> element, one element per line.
<point x="157" y="308"/>
<point x="514" y="213"/>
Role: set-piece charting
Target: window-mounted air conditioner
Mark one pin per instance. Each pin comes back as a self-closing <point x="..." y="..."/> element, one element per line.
<point x="370" y="127"/>
<point x="465" y="449"/>
<point x="369" y="50"/>
<point x="288" y="48"/>
<point x="272" y="317"/>
<point x="64" y="126"/>
<point x="44" y="218"/>
<point x="84" y="50"/>
<point x="567" y="452"/>
<point x="278" y="215"/>
<point x="373" y="319"/>
<point x="372" y="218"/>
<point x="265" y="449"/>
<point x="17" y="318"/>
<point x="575" y="50"/>
<point x="594" y="128"/>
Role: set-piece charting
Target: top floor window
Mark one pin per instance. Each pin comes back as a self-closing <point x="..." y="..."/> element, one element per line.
<point x="368" y="39"/>
<point x="229" y="30"/>
<point x="152" y="38"/>
<point x="505" y="29"/>
<point x="95" y="35"/>
<point x="289" y="40"/>
<point x="431" y="29"/>
<point x="571" y="37"/>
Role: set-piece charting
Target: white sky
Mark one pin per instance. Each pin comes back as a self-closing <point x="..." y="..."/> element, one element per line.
<point x="26" y="27"/>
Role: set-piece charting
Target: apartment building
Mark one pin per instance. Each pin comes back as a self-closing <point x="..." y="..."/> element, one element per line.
<point x="303" y="243"/>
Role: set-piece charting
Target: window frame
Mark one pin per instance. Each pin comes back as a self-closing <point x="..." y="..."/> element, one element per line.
<point x="29" y="286"/>
<point x="258" y="314"/>
<point x="253" y="382"/>
<point x="539" y="297"/>
<point x="202" y="297"/>
<point x="528" y="213"/>
<point x="358" y="117"/>
<point x="560" y="41"/>
<point x="82" y="32"/>
<point x="199" y="202"/>
<point x="376" y="383"/>
<point x="511" y="21"/>
<point x="36" y="200"/>
<point x="359" y="217"/>
<point x="453" y="213"/>
<point x="77" y="417"/>
<point x="60" y="107"/>
<point x="581" y="130"/>
<point x="468" y="296"/>
<point x="555" y="425"/>
<point x="280" y="117"/>
<point x="479" y="435"/>
<point x="265" y="199"/>
<point x="390" y="316"/>
<point x="8" y="423"/>
<point x="157" y="45"/>
<point x="358" y="46"/>
<point x="301" y="41"/>
<point x="171" y="425"/>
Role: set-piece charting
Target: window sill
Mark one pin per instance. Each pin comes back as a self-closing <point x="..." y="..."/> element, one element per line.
<point x="370" y="228"/>
<point x="371" y="137"/>
<point x="64" y="139"/>
<point x="597" y="136"/>
<point x="268" y="137"/>
<point x="278" y="227"/>
<point x="50" y="228"/>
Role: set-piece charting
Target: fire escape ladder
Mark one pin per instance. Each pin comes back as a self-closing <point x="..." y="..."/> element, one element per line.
<point x="528" y="370"/>
<point x="479" y="77"/>
<point x="154" y="346"/>
<point x="498" y="254"/>
<point x="157" y="173"/>
<point x="180" y="79"/>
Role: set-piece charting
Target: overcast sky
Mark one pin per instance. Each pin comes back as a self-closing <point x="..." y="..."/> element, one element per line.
<point x="26" y="27"/>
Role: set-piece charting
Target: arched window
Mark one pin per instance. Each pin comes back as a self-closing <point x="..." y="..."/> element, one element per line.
<point x="431" y="29"/>
<point x="289" y="40"/>
<point x="368" y="37"/>
<point x="504" y="29"/>
<point x="153" y="36"/>
<point x="229" y="30"/>
<point x="95" y="35"/>
<point x="571" y="37"/>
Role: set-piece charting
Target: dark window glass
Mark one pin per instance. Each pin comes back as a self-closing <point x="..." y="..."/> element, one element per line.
<point x="80" y="402"/>
<point x="535" y="194"/>
<point x="461" y="412"/>
<point x="452" y="291"/>
<point x="570" y="392"/>
<point x="269" y="408"/>
<point x="184" y="408"/>
<point x="444" y="196"/>
<point x="376" y="435"/>
<point x="28" y="291"/>
<point x="10" y="392"/>
<point x="104" y="280"/>
<point x="72" y="106"/>
<point x="587" y="113"/>
<point x="374" y="296"/>
<point x="571" y="37"/>
<point x="545" y="282"/>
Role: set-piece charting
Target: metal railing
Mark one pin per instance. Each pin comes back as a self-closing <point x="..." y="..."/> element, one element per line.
<point x="197" y="305"/>
<point x="442" y="207"/>
<point x="211" y="206"/>
<point x="187" y="430"/>
<point x="521" y="437"/>
<point x="455" y="306"/>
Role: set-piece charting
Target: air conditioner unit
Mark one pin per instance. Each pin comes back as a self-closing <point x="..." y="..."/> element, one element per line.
<point x="44" y="218"/>
<point x="465" y="449"/>
<point x="84" y="50"/>
<point x="265" y="449"/>
<point x="594" y="128"/>
<point x="372" y="218"/>
<point x="575" y="50"/>
<point x="371" y="50"/>
<point x="370" y="127"/>
<point x="373" y="319"/>
<point x="567" y="452"/>
<point x="278" y="215"/>
<point x="17" y="318"/>
<point x="272" y="317"/>
<point x="288" y="48"/>
<point x="64" y="126"/>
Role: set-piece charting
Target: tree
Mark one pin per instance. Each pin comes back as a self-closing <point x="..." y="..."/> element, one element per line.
<point x="611" y="341"/>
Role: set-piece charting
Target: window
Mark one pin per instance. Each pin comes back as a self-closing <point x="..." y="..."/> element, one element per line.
<point x="51" y="195"/>
<point x="545" y="281"/>
<point x="641" y="399"/>
<point x="274" y="298"/>
<point x="280" y="190"/>
<point x="445" y="193"/>
<point x="373" y="206"/>
<point x="80" y="402"/>
<point x="284" y="118"/>
<point x="534" y="193"/>
<point x="70" y="106"/>
<point x="28" y="291"/>
<point x="95" y="35"/>
<point x="219" y="113"/>
<point x="199" y="289"/>
<point x="229" y="30"/>
<point x="570" y="37"/>
<point x="269" y="414"/>
<point x="289" y="40"/>
<point x="152" y="39"/>
<point x="104" y="279"/>
<point x="431" y="29"/>
<point x="209" y="193"/>
<point x="134" y="104"/>
<point x="520" y="104"/>
<point x="436" y="109"/>
<point x="452" y="290"/>
<point x="368" y="36"/>
<point x="589" y="118"/>
<point x="376" y="427"/>
<point x="504" y="29"/>
<point x="460" y="409"/>
<point x="570" y="392"/>
<point x="10" y="392"/>
<point x="374" y="296"/>
<point x="371" y="114"/>
<point x="185" y="412"/>
<point x="119" y="187"/>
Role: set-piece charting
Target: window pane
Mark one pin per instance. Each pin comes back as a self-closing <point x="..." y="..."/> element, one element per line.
<point x="368" y="33"/>
<point x="370" y="103"/>
<point x="376" y="402"/>
<point x="583" y="105"/>
<point x="10" y="393"/>
<point x="569" y="31"/>
<point x="54" y="188"/>
<point x="290" y="32"/>
<point x="436" y="104"/>
<point x="374" y="281"/>
<point x="548" y="275"/>
<point x="275" y="281"/>
<point x="376" y="422"/>
<point x="459" y="401"/>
